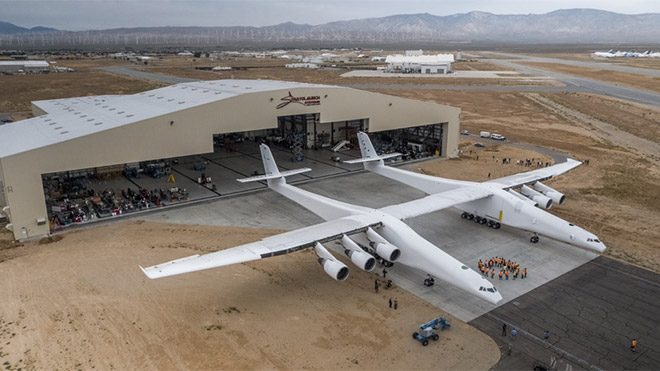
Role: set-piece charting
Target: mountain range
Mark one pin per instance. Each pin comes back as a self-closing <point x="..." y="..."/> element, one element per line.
<point x="575" y="26"/>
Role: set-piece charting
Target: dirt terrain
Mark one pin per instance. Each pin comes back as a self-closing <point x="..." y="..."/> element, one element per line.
<point x="19" y="90"/>
<point x="83" y="303"/>
<point x="619" y="78"/>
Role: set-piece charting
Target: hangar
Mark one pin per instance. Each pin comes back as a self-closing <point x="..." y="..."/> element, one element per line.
<point x="87" y="134"/>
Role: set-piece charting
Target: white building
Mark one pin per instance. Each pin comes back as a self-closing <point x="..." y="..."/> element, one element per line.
<point x="23" y="66"/>
<point x="426" y="64"/>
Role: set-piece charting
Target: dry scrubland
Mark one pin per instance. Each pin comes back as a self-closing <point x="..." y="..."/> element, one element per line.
<point x="619" y="78"/>
<point x="83" y="303"/>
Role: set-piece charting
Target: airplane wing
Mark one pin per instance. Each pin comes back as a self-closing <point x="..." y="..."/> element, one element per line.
<point x="436" y="202"/>
<point x="536" y="175"/>
<point x="280" y="244"/>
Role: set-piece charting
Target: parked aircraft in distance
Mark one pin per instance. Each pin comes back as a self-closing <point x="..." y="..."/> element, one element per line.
<point x="365" y="234"/>
<point x="498" y="203"/>
<point x="630" y="54"/>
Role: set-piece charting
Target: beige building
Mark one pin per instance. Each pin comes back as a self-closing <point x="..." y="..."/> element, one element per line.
<point x="179" y="120"/>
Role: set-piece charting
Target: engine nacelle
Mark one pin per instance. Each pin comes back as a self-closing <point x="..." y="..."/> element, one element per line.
<point x="523" y="198"/>
<point x="556" y="196"/>
<point x="383" y="248"/>
<point x="335" y="269"/>
<point x="362" y="260"/>
<point x="387" y="251"/>
<point x="543" y="201"/>
<point x="358" y="257"/>
<point x="332" y="267"/>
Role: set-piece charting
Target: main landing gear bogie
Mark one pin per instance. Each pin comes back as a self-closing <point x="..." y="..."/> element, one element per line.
<point x="480" y="220"/>
<point x="534" y="238"/>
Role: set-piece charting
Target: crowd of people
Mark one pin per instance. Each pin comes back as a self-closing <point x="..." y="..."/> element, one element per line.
<point x="503" y="268"/>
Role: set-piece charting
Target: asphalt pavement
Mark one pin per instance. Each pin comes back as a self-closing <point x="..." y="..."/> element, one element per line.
<point x="592" y="313"/>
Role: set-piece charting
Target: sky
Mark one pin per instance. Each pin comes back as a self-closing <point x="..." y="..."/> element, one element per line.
<point x="101" y="14"/>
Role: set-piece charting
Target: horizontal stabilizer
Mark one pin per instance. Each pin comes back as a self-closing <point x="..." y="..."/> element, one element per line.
<point x="369" y="159"/>
<point x="278" y="175"/>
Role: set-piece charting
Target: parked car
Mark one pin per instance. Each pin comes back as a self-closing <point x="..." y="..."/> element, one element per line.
<point x="496" y="136"/>
<point x="484" y="134"/>
<point x="465" y="132"/>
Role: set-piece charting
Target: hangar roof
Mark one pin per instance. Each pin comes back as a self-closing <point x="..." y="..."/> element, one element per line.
<point x="72" y="118"/>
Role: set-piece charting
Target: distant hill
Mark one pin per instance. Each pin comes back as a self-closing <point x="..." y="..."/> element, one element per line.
<point x="10" y="28"/>
<point x="574" y="26"/>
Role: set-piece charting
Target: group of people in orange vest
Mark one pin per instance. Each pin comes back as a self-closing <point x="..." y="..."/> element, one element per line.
<point x="506" y="268"/>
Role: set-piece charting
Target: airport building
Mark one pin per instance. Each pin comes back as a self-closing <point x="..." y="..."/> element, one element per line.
<point x="59" y="167"/>
<point x="413" y="62"/>
<point x="11" y="67"/>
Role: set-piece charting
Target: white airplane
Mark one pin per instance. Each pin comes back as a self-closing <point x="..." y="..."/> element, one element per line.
<point x="495" y="202"/>
<point x="365" y="234"/>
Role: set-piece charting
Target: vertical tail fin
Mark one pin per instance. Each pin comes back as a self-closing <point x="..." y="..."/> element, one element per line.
<point x="368" y="151"/>
<point x="270" y="168"/>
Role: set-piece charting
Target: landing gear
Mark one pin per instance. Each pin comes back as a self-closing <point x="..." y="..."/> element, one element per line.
<point x="429" y="281"/>
<point x="464" y="215"/>
<point x="534" y="238"/>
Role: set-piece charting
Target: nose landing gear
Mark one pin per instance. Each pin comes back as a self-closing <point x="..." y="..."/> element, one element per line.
<point x="534" y="238"/>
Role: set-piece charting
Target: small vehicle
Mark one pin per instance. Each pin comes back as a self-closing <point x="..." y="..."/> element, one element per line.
<point x="465" y="132"/>
<point x="427" y="330"/>
<point x="496" y="136"/>
<point x="484" y="134"/>
<point x="479" y="145"/>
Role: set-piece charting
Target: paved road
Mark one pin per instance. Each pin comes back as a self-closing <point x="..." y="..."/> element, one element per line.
<point x="582" y="84"/>
<point x="149" y="76"/>
<point x="592" y="312"/>
<point x="595" y="64"/>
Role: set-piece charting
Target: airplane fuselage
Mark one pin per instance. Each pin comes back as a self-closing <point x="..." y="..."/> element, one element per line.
<point x="509" y="210"/>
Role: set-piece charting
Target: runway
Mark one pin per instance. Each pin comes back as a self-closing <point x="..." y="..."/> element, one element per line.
<point x="592" y="313"/>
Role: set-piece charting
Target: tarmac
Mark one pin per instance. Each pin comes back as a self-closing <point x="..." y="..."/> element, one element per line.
<point x="592" y="313"/>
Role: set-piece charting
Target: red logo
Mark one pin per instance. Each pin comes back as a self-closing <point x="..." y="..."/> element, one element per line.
<point x="313" y="100"/>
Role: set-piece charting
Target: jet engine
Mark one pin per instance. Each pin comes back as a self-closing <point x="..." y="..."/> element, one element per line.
<point x="332" y="267"/>
<point x="544" y="201"/>
<point x="556" y="196"/>
<point x="523" y="198"/>
<point x="360" y="258"/>
<point x="383" y="248"/>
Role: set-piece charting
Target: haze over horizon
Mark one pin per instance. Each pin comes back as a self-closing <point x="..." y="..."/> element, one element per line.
<point x="77" y="15"/>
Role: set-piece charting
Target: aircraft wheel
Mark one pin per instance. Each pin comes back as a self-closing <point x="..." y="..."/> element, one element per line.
<point x="477" y="219"/>
<point x="534" y="239"/>
<point x="497" y="225"/>
<point x="483" y="221"/>
<point x="470" y="216"/>
<point x="464" y="215"/>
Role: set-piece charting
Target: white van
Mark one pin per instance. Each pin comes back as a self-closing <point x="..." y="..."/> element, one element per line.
<point x="484" y="134"/>
<point x="497" y="136"/>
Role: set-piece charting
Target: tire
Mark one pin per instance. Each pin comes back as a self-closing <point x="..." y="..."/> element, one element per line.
<point x="534" y="239"/>
<point x="483" y="221"/>
<point x="464" y="215"/>
<point x="497" y="225"/>
<point x="435" y="337"/>
<point x="415" y="335"/>
<point x="425" y="342"/>
<point x="477" y="219"/>
<point x="470" y="216"/>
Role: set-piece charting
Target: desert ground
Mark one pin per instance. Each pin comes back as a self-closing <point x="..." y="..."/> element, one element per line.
<point x="82" y="303"/>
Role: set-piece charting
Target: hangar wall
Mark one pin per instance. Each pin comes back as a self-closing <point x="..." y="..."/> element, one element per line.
<point x="190" y="131"/>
